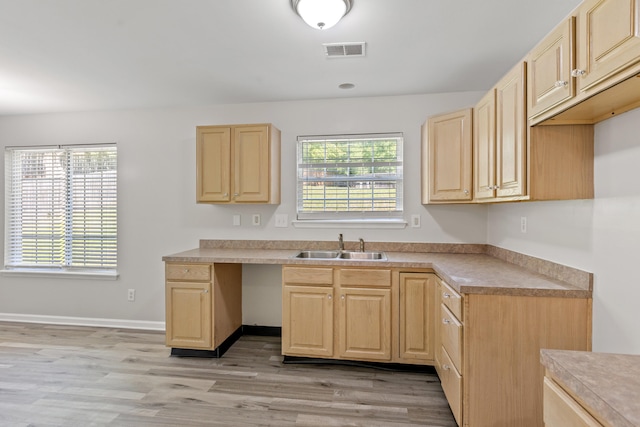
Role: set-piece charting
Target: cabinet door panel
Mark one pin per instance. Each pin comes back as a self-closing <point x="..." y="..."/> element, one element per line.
<point x="608" y="38"/>
<point x="417" y="315"/>
<point x="307" y="321"/>
<point x="549" y="67"/>
<point x="188" y="314"/>
<point x="511" y="134"/>
<point x="447" y="158"/>
<point x="484" y="141"/>
<point x="213" y="171"/>
<point x="365" y="324"/>
<point x="251" y="164"/>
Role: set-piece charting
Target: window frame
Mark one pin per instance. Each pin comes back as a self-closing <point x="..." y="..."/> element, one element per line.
<point x="91" y="236"/>
<point x="351" y="216"/>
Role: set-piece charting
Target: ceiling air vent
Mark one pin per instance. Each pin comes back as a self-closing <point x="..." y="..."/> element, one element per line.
<point x="343" y="50"/>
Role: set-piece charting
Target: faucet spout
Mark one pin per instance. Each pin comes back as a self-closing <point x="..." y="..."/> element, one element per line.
<point x="361" y="245"/>
<point x="340" y="243"/>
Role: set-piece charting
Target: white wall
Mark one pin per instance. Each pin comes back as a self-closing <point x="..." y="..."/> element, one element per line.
<point x="157" y="210"/>
<point x="601" y="235"/>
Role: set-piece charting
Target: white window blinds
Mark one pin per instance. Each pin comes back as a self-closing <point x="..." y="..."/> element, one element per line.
<point x="61" y="207"/>
<point x="350" y="176"/>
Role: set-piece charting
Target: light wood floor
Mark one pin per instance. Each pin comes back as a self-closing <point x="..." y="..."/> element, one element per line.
<point x="78" y="376"/>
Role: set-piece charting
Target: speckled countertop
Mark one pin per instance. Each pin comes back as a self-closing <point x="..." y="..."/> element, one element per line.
<point x="469" y="270"/>
<point x="608" y="384"/>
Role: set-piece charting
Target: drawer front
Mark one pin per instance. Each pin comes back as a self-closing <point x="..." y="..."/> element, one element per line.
<point x="308" y="275"/>
<point x="365" y="277"/>
<point x="451" y="299"/>
<point x="561" y="410"/>
<point x="188" y="272"/>
<point x="451" y="330"/>
<point x="451" y="381"/>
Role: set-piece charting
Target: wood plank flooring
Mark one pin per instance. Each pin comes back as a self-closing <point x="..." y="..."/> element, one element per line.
<point x="80" y="376"/>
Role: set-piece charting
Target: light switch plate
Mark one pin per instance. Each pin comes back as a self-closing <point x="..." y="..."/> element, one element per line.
<point x="282" y="220"/>
<point x="415" y="221"/>
<point x="236" y="220"/>
<point x="255" y="219"/>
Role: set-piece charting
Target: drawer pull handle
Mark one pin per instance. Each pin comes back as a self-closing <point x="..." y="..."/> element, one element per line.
<point x="446" y="367"/>
<point x="446" y="321"/>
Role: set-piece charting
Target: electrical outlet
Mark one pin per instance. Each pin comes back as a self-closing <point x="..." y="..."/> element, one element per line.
<point x="523" y="224"/>
<point x="236" y="220"/>
<point x="255" y="219"/>
<point x="415" y="221"/>
<point x="131" y="295"/>
<point x="282" y="220"/>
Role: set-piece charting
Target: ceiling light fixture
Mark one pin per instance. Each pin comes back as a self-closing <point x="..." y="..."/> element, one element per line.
<point x="321" y="14"/>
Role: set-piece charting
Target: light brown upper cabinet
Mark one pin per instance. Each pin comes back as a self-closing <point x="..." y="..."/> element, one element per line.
<point x="500" y="140"/>
<point x="549" y="65"/>
<point x="608" y="36"/>
<point x="603" y="78"/>
<point x="447" y="158"/>
<point x="238" y="164"/>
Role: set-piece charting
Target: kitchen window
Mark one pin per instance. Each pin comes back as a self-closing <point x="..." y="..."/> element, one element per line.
<point x="350" y="177"/>
<point x="61" y="209"/>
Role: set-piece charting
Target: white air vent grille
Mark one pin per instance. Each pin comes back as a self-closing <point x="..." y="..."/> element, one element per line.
<point x="343" y="50"/>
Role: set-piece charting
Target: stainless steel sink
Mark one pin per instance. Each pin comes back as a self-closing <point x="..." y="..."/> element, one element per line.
<point x="318" y="254"/>
<point x="363" y="255"/>
<point x="345" y="255"/>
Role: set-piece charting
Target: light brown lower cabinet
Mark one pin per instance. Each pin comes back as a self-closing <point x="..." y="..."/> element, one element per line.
<point x="489" y="362"/>
<point x="203" y="304"/>
<point x="485" y="348"/>
<point x="562" y="410"/>
<point x="368" y="314"/>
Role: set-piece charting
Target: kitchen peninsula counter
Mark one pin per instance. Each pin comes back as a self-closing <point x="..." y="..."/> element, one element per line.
<point x="607" y="384"/>
<point x="469" y="269"/>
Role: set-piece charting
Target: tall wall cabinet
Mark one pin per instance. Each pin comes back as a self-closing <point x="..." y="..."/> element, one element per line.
<point x="238" y="164"/>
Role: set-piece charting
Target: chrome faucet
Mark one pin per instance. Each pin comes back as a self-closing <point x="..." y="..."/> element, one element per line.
<point x="361" y="244"/>
<point x="340" y="242"/>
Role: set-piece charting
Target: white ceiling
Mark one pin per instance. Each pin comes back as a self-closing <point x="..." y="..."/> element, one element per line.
<point x="79" y="55"/>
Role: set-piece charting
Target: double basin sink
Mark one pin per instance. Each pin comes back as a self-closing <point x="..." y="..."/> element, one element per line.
<point x="346" y="255"/>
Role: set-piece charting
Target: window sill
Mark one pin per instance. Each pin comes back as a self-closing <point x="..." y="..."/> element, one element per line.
<point x="350" y="223"/>
<point x="87" y="274"/>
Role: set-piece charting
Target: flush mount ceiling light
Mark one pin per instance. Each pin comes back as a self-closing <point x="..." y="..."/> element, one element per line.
<point x="321" y="14"/>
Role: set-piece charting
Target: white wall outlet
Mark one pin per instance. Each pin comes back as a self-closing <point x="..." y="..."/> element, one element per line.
<point x="255" y="219"/>
<point x="236" y="220"/>
<point x="131" y="295"/>
<point x="415" y="221"/>
<point x="523" y="224"/>
<point x="282" y="220"/>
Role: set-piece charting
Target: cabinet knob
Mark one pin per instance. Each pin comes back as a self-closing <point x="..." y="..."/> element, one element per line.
<point x="577" y="73"/>
<point x="446" y="295"/>
<point x="342" y="297"/>
<point x="226" y="194"/>
<point x="235" y="194"/>
<point x="446" y="367"/>
<point x="466" y="191"/>
<point x="561" y="83"/>
<point x="186" y="270"/>
<point x="329" y="296"/>
<point x="205" y="291"/>
<point x="446" y="321"/>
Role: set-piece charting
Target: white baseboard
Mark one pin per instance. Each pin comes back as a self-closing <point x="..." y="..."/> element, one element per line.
<point x="83" y="321"/>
